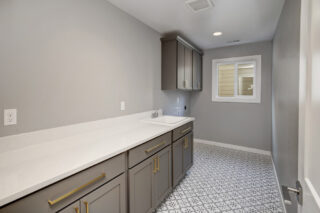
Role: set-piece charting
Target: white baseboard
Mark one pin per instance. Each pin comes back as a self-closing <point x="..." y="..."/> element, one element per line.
<point x="231" y="146"/>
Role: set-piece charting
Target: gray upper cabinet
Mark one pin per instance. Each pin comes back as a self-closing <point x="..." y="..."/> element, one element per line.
<point x="181" y="65"/>
<point x="187" y="68"/>
<point x="197" y="71"/>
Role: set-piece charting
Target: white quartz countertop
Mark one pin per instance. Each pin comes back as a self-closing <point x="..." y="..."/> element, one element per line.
<point x="31" y="161"/>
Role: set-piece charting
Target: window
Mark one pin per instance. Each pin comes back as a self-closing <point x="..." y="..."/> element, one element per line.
<point x="237" y="79"/>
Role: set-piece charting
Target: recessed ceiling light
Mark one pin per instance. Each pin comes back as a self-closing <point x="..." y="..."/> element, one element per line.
<point x="217" y="33"/>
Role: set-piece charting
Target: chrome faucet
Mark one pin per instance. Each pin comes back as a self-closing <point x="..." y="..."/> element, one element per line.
<point x="155" y="114"/>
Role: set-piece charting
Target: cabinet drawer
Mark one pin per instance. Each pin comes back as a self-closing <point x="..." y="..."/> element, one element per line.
<point x="147" y="149"/>
<point x="110" y="198"/>
<point x="181" y="131"/>
<point x="68" y="190"/>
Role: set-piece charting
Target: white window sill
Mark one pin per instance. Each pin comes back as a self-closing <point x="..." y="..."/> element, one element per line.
<point x="237" y="100"/>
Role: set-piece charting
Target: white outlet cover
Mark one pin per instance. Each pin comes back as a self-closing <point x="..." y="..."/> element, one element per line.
<point x="122" y="105"/>
<point x="10" y="117"/>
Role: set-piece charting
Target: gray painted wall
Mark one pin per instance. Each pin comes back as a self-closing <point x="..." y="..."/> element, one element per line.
<point x="243" y="124"/>
<point x="70" y="61"/>
<point x="172" y="102"/>
<point x="285" y="100"/>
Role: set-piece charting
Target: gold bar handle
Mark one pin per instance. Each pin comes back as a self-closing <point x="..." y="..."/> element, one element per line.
<point x="87" y="206"/>
<point x="186" y="130"/>
<point x="158" y="167"/>
<point x="52" y="202"/>
<point x="154" y="165"/>
<point x="155" y="147"/>
<point x="186" y="143"/>
<point x="77" y="210"/>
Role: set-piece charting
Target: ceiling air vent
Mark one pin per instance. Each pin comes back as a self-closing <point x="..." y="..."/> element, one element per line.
<point x="199" y="5"/>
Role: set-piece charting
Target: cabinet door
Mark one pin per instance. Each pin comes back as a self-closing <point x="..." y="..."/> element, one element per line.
<point x="187" y="151"/>
<point x="177" y="158"/>
<point x="73" y="208"/>
<point x="141" y="186"/>
<point x="180" y="66"/>
<point x="109" y="198"/>
<point x="196" y="71"/>
<point x="188" y="68"/>
<point x="163" y="177"/>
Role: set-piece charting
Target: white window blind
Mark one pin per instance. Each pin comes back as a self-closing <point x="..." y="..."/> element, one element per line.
<point x="237" y="79"/>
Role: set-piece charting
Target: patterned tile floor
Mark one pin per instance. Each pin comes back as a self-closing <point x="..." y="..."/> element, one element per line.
<point x="226" y="181"/>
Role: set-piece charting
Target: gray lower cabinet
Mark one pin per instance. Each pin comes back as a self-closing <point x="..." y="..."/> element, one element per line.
<point x="141" y="186"/>
<point x="163" y="176"/>
<point x="182" y="157"/>
<point x="60" y="195"/>
<point x="146" y="172"/>
<point x="73" y="208"/>
<point x="187" y="151"/>
<point x="181" y="65"/>
<point x="182" y="131"/>
<point x="142" y="152"/>
<point x="109" y="198"/>
<point x="177" y="161"/>
<point x="150" y="182"/>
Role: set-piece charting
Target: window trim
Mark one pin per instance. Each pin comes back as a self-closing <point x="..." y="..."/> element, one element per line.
<point x="256" y="98"/>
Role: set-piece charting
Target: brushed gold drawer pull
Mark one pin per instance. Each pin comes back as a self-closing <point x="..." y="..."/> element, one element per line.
<point x="77" y="210"/>
<point x="154" y="165"/>
<point x="158" y="167"/>
<point x="155" y="147"/>
<point x="87" y="206"/>
<point x="186" y="130"/>
<point x="186" y="143"/>
<point x="52" y="202"/>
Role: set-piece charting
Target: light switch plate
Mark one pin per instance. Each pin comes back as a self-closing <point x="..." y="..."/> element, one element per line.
<point x="10" y="117"/>
<point x="122" y="105"/>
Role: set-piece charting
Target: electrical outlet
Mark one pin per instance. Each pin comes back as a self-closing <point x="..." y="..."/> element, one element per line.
<point x="10" y="117"/>
<point x="122" y="105"/>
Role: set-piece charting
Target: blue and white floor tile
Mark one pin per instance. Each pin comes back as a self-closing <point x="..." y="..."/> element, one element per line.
<point x="224" y="180"/>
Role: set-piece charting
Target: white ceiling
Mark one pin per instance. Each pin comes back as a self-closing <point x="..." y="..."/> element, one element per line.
<point x="244" y="20"/>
